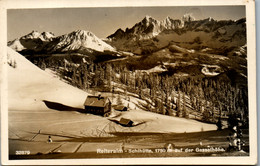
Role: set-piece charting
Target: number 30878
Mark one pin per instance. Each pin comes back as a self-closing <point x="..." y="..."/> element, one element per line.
<point x="22" y="152"/>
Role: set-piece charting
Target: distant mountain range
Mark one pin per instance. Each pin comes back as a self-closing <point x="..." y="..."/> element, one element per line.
<point x="148" y="35"/>
<point x="147" y="28"/>
<point x="46" y="42"/>
<point x="151" y="34"/>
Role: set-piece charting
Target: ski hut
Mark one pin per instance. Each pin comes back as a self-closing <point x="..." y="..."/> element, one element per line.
<point x="98" y="105"/>
<point x="120" y="108"/>
<point x="126" y="122"/>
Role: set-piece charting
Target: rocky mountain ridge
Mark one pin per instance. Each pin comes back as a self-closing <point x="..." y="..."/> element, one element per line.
<point x="147" y="28"/>
<point x="46" y="42"/>
<point x="151" y="34"/>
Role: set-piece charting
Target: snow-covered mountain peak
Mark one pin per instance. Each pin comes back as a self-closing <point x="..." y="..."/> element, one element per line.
<point x="81" y="39"/>
<point x="188" y="17"/>
<point x="169" y="23"/>
<point x="37" y="35"/>
<point x="33" y="35"/>
<point x="83" y="33"/>
<point x="34" y="40"/>
<point x="147" y="17"/>
<point x="46" y="36"/>
<point x="150" y="20"/>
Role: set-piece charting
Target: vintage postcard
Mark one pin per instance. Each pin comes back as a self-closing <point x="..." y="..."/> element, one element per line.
<point x="138" y="82"/>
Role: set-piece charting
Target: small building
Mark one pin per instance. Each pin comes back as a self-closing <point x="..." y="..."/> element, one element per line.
<point x="120" y="108"/>
<point x="126" y="122"/>
<point x="98" y="105"/>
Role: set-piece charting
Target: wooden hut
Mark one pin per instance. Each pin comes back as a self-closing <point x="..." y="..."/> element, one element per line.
<point x="126" y="122"/>
<point x="98" y="105"/>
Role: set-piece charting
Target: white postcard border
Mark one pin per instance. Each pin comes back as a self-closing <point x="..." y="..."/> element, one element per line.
<point x="251" y="45"/>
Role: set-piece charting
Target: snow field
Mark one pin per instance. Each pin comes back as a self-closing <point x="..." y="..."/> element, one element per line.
<point x="31" y="121"/>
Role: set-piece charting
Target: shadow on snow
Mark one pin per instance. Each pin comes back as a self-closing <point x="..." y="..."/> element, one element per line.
<point x="61" y="107"/>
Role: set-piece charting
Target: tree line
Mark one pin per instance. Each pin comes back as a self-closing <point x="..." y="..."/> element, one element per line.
<point x="203" y="98"/>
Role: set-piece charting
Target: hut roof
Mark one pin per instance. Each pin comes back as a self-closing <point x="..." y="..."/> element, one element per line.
<point x="96" y="101"/>
<point x="124" y="121"/>
<point x="120" y="107"/>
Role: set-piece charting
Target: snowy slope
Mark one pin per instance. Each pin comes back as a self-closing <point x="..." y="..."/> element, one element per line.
<point x="28" y="86"/>
<point x="16" y="45"/>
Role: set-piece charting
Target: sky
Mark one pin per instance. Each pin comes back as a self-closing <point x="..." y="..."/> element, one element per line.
<point x="104" y="21"/>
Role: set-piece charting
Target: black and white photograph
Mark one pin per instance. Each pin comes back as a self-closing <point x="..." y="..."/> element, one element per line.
<point x="124" y="83"/>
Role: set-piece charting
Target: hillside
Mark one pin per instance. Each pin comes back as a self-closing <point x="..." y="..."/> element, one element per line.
<point x="29" y="87"/>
